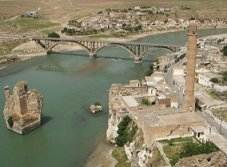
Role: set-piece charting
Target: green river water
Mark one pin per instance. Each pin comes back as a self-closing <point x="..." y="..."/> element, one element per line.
<point x="69" y="84"/>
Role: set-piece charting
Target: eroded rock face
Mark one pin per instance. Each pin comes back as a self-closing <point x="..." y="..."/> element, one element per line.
<point x="137" y="152"/>
<point x="216" y="159"/>
<point x="23" y="108"/>
<point x="113" y="122"/>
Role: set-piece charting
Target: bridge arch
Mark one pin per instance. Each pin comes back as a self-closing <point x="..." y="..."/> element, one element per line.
<point x="131" y="53"/>
<point x="143" y="54"/>
<point x="67" y="43"/>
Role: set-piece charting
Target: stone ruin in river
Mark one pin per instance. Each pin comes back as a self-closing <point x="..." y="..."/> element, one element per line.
<point x="23" y="108"/>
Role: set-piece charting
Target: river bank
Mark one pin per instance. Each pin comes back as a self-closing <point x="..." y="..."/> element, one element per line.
<point x="69" y="84"/>
<point x="24" y="51"/>
<point x="132" y="37"/>
<point x="102" y="155"/>
<point x="65" y="82"/>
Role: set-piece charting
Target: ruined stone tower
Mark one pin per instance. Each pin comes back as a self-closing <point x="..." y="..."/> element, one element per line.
<point x="23" y="108"/>
<point x="189" y="98"/>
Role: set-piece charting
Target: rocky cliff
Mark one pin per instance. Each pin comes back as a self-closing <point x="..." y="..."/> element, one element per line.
<point x="137" y="153"/>
<point x="136" y="150"/>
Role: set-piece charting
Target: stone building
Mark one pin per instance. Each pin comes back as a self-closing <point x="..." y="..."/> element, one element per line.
<point x="23" y="107"/>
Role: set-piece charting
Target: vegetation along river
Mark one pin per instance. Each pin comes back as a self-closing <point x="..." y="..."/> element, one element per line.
<point x="69" y="84"/>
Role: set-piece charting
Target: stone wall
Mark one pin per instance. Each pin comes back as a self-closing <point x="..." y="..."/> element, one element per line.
<point x="23" y="108"/>
<point x="217" y="120"/>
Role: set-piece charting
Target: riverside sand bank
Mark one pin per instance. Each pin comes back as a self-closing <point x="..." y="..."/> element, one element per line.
<point x="102" y="155"/>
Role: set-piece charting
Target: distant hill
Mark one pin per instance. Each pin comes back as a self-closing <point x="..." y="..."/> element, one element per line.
<point x="62" y="10"/>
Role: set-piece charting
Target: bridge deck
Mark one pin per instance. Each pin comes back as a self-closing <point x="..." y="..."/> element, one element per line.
<point x="107" y="42"/>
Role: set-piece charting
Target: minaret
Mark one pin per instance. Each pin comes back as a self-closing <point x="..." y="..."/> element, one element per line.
<point x="189" y="98"/>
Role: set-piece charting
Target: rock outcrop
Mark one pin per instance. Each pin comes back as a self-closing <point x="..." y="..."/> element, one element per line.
<point x="113" y="121"/>
<point x="137" y="152"/>
<point x="23" y="108"/>
<point x="215" y="159"/>
<point x="95" y="108"/>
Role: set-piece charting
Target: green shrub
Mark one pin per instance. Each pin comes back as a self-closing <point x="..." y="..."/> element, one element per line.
<point x="97" y="104"/>
<point x="224" y="50"/>
<point x="171" y="143"/>
<point x="174" y="159"/>
<point x="188" y="149"/>
<point x="124" y="123"/>
<point x="53" y="35"/>
<point x="224" y="75"/>
<point x="129" y="28"/>
<point x="195" y="149"/>
<point x="132" y="133"/>
<point x="120" y="156"/>
<point x="146" y="102"/>
<point x="126" y="131"/>
<point x="121" y="140"/>
<point x="69" y="31"/>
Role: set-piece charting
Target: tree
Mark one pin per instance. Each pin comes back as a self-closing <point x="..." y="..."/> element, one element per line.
<point x="125" y="133"/>
<point x="53" y="35"/>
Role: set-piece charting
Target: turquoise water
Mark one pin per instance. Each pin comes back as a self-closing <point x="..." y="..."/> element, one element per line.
<point x="69" y="85"/>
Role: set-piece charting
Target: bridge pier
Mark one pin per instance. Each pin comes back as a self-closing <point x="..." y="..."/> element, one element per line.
<point x="138" y="60"/>
<point x="49" y="51"/>
<point x="92" y="55"/>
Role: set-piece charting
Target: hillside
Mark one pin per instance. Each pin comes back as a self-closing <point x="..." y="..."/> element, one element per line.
<point x="62" y="10"/>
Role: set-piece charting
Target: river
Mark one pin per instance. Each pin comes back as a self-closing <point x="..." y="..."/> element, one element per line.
<point x="69" y="84"/>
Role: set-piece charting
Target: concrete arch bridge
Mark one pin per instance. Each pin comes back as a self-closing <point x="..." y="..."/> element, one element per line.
<point x="137" y="50"/>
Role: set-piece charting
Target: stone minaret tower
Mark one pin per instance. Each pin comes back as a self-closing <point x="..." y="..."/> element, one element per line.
<point x="189" y="98"/>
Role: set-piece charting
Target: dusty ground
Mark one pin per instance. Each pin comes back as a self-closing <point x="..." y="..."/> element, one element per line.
<point x="216" y="159"/>
<point x="102" y="156"/>
<point x="62" y="10"/>
<point x="56" y="13"/>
